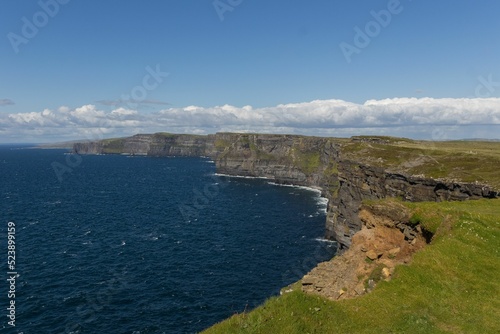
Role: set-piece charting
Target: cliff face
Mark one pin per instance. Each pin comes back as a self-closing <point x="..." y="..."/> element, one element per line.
<point x="359" y="182"/>
<point x="345" y="179"/>
<point x="283" y="158"/>
<point x="387" y="239"/>
<point x="158" y="144"/>
<point x="320" y="162"/>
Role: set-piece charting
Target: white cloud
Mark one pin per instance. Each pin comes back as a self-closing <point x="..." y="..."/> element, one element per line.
<point x="124" y="112"/>
<point x="411" y="117"/>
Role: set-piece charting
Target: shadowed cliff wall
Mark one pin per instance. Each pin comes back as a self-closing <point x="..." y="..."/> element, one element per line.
<point x="299" y="160"/>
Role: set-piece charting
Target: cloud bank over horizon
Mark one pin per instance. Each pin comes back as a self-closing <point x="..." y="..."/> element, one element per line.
<point x="418" y="118"/>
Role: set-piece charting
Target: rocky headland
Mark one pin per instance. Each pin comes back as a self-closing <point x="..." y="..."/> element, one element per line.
<point x="348" y="171"/>
<point x="373" y="239"/>
<point x="389" y="236"/>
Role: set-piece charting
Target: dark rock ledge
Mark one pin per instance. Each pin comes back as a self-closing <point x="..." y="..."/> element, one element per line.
<point x="306" y="161"/>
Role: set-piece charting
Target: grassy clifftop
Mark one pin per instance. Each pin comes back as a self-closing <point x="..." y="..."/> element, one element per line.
<point x="467" y="161"/>
<point x="451" y="286"/>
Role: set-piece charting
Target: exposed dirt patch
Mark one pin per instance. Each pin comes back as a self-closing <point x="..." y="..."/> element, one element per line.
<point x="387" y="239"/>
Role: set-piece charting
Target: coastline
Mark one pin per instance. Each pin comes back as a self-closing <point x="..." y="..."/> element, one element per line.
<point x="431" y="289"/>
<point x="345" y="171"/>
<point x="310" y="188"/>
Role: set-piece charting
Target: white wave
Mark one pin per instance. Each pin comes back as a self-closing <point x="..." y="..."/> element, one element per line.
<point x="243" y="177"/>
<point x="53" y="203"/>
<point x="322" y="202"/>
<point x="326" y="240"/>
<point x="314" y="189"/>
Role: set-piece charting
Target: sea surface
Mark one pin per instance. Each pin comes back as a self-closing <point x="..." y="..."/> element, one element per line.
<point x="117" y="244"/>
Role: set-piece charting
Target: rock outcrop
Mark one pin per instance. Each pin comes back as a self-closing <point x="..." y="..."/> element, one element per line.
<point x="387" y="238"/>
<point x="325" y="163"/>
<point x="358" y="182"/>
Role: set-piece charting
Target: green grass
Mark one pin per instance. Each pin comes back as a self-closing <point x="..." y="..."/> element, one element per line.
<point x="165" y="134"/>
<point x="176" y="135"/>
<point x="113" y="146"/>
<point x="468" y="161"/>
<point x="451" y="286"/>
<point x="222" y="144"/>
<point x="308" y="161"/>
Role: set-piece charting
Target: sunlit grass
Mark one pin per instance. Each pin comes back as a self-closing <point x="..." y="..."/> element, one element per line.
<point x="452" y="286"/>
<point x="468" y="161"/>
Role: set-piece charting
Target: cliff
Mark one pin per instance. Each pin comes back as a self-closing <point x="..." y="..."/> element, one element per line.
<point x="158" y="144"/>
<point x="347" y="171"/>
<point x="389" y="237"/>
<point x="412" y="288"/>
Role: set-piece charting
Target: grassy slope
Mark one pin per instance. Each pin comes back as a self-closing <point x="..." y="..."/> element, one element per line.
<point x="467" y="161"/>
<point x="452" y="286"/>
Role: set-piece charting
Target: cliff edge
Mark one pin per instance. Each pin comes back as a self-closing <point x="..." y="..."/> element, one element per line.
<point x="347" y="171"/>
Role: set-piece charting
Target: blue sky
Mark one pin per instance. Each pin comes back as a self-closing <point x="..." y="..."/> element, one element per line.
<point x="430" y="64"/>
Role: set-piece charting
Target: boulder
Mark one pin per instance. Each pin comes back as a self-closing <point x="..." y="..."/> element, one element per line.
<point x="372" y="255"/>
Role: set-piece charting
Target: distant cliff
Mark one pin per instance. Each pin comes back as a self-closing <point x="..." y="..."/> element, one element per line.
<point x="158" y="144"/>
<point x="347" y="171"/>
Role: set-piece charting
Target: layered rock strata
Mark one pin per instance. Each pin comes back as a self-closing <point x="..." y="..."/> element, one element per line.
<point x="387" y="238"/>
<point x="299" y="160"/>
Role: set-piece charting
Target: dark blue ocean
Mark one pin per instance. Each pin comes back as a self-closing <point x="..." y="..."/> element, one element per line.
<point x="116" y="244"/>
